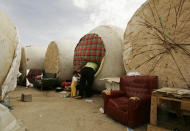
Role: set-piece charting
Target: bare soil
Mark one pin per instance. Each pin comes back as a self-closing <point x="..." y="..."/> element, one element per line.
<point x="50" y="111"/>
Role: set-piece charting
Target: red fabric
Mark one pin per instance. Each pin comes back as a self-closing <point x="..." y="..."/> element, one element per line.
<point x="66" y="84"/>
<point x="131" y="112"/>
<point x="32" y="74"/>
<point x="89" y="48"/>
<point x="38" y="77"/>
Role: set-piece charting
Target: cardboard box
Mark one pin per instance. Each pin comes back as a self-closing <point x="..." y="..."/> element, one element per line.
<point x="26" y="97"/>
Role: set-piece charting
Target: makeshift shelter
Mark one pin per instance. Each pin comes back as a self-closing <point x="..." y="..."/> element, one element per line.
<point x="10" y="55"/>
<point x="157" y="42"/>
<point x="58" y="58"/>
<point x="103" y="46"/>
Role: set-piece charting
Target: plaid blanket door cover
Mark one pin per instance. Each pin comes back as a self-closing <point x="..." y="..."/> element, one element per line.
<point x="90" y="48"/>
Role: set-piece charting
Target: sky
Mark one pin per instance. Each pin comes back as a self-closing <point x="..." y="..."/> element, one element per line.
<point x="41" y="21"/>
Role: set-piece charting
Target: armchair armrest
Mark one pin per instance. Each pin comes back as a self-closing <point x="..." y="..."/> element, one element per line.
<point x="138" y="111"/>
<point x="141" y="102"/>
<point x="135" y="104"/>
<point x="114" y="94"/>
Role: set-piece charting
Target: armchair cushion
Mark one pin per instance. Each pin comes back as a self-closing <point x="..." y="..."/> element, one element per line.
<point x="120" y="103"/>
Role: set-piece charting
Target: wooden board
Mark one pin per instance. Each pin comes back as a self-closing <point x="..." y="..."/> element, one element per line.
<point x="155" y="128"/>
<point x="153" y="112"/>
<point x="185" y="106"/>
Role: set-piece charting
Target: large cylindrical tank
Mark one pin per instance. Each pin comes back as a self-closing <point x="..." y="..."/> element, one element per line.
<point x="10" y="82"/>
<point x="59" y="58"/>
<point x="156" y="42"/>
<point x="7" y="46"/>
<point x="112" y="64"/>
<point x="34" y="57"/>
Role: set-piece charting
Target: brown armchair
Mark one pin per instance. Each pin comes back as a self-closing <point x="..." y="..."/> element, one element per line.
<point x="131" y="112"/>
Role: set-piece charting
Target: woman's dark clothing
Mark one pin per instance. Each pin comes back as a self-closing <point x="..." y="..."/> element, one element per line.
<point x="86" y="81"/>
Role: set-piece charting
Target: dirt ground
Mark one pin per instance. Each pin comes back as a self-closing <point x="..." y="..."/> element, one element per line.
<point x="50" y="111"/>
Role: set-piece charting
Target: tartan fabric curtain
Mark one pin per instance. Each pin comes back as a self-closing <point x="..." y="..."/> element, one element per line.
<point x="90" y="48"/>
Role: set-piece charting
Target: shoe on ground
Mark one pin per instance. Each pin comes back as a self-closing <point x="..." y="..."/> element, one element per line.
<point x="78" y="97"/>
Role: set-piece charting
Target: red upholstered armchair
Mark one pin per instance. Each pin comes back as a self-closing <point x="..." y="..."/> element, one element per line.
<point x="129" y="111"/>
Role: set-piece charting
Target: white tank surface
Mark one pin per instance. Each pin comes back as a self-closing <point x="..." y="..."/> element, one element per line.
<point x="7" y="46"/>
<point x="59" y="58"/>
<point x="157" y="42"/>
<point x="34" y="57"/>
<point x="112" y="63"/>
<point x="10" y="82"/>
<point x="22" y="67"/>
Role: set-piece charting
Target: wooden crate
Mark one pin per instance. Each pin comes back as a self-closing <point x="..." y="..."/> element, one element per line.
<point x="155" y="128"/>
<point x="156" y="100"/>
